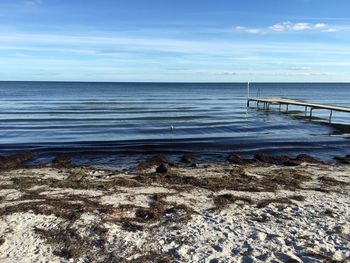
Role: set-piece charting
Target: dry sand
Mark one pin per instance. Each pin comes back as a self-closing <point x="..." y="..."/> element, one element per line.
<point x="212" y="213"/>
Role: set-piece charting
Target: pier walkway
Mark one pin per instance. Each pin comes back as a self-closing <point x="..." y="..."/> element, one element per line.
<point x="266" y="102"/>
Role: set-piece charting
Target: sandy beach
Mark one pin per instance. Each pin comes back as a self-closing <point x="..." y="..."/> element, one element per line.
<point x="175" y="131"/>
<point x="248" y="212"/>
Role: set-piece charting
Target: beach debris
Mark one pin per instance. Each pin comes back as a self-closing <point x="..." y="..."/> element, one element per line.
<point x="277" y="160"/>
<point x="163" y="169"/>
<point x="234" y="158"/>
<point x="235" y="180"/>
<point x="158" y="159"/>
<point x="266" y="202"/>
<point x="194" y="165"/>
<point x="71" y="245"/>
<point x="155" y="160"/>
<point x="238" y="170"/>
<point x="132" y="227"/>
<point x="285" y="160"/>
<point x="313" y="255"/>
<point x="330" y="181"/>
<point x="342" y="229"/>
<point x="344" y="160"/>
<point x="63" y="160"/>
<point x="304" y="158"/>
<point x="299" y="198"/>
<point x="14" y="161"/>
<point x="290" y="179"/>
<point x="155" y="257"/>
<point x="76" y="175"/>
<point x="281" y="200"/>
<point x="289" y="257"/>
<point x="328" y="212"/>
<point x="136" y="217"/>
<point x="145" y="214"/>
<point x="265" y="158"/>
<point x="237" y="159"/>
<point x="189" y="158"/>
<point x="222" y="201"/>
<point x="158" y="213"/>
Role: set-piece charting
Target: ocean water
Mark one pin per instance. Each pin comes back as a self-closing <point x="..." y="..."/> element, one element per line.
<point x="116" y="124"/>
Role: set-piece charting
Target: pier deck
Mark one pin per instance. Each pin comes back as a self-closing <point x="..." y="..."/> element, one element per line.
<point x="307" y="105"/>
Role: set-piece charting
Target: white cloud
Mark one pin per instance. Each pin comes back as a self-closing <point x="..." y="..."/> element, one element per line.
<point x="275" y="73"/>
<point x="331" y="30"/>
<point x="248" y="30"/>
<point x="287" y="27"/>
<point x="300" y="68"/>
<point x="320" y="25"/>
<point x="230" y="73"/>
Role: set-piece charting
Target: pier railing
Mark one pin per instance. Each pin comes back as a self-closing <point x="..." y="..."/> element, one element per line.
<point x="267" y="102"/>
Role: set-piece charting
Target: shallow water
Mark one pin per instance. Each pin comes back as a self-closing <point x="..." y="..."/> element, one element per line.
<point x="115" y="123"/>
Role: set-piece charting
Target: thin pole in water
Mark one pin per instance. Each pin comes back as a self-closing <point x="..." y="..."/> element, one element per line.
<point x="248" y="90"/>
<point x="248" y="99"/>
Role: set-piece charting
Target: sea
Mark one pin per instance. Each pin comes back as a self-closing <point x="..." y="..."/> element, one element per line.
<point x="114" y="125"/>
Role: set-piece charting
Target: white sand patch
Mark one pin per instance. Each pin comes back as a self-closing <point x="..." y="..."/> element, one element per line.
<point x="6" y="183"/>
<point x="41" y="173"/>
<point x="85" y="220"/>
<point x="10" y="194"/>
<point x="191" y="199"/>
<point x="146" y="190"/>
<point x="59" y="192"/>
<point x="22" y="244"/>
<point x="84" y="223"/>
<point x="38" y="187"/>
<point x="136" y="196"/>
<point x="125" y="199"/>
<point x="288" y="232"/>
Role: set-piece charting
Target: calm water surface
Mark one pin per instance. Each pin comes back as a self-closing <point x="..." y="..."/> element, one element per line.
<point x="111" y="124"/>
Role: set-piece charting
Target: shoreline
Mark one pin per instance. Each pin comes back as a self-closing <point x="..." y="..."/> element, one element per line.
<point x="132" y="161"/>
<point x="241" y="211"/>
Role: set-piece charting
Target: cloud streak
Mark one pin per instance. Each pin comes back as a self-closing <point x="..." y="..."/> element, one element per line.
<point x="288" y="27"/>
<point x="33" y="2"/>
<point x="90" y="51"/>
<point x="115" y="44"/>
<point x="275" y="73"/>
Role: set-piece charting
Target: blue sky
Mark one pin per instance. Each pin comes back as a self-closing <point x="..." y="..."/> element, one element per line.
<point x="163" y="40"/>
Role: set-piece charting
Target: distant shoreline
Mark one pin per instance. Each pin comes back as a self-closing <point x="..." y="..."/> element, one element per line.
<point x="174" y="82"/>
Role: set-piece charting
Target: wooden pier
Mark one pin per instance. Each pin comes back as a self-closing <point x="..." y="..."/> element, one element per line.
<point x="266" y="102"/>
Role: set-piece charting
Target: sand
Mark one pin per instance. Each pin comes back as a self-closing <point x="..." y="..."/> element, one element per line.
<point x="212" y="213"/>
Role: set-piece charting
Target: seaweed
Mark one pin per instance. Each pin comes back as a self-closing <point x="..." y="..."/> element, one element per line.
<point x="329" y="181"/>
<point x="265" y="202"/>
<point x="154" y="257"/>
<point x="69" y="244"/>
<point x="163" y="212"/>
<point x="222" y="201"/>
<point x="322" y="257"/>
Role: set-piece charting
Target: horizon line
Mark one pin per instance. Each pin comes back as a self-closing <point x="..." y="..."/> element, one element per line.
<point x="183" y="82"/>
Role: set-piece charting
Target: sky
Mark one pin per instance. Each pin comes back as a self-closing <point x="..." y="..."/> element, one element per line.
<point x="175" y="40"/>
